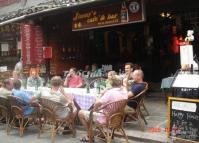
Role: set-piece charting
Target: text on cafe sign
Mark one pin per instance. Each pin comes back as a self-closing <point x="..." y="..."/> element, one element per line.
<point x="125" y="12"/>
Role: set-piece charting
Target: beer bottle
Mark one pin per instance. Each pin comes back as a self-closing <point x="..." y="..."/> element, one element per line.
<point x="124" y="13"/>
<point x="87" y="88"/>
<point x="98" y="87"/>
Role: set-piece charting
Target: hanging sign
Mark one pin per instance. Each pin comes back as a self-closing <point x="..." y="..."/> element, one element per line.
<point x="32" y="44"/>
<point x="27" y="44"/>
<point x="47" y="52"/>
<point x="38" y="45"/>
<point x="125" y="12"/>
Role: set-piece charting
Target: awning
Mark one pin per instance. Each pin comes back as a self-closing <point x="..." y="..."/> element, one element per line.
<point x="16" y="13"/>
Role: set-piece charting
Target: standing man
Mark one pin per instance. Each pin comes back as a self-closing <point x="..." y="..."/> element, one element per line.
<point x="19" y="67"/>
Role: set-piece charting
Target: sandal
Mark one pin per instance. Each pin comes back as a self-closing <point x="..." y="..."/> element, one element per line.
<point x="85" y="139"/>
<point x="101" y="136"/>
<point x="66" y="130"/>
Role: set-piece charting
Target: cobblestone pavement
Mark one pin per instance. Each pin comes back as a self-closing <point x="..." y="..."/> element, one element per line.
<point x="30" y="136"/>
<point x="156" y="120"/>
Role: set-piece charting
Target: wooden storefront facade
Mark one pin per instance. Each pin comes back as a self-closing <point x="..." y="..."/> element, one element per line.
<point x="113" y="44"/>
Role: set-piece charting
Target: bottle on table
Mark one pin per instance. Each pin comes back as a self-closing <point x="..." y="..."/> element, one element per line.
<point x="48" y="83"/>
<point x="87" y="88"/>
<point x="191" y="70"/>
<point x="37" y="85"/>
<point x="98" y="87"/>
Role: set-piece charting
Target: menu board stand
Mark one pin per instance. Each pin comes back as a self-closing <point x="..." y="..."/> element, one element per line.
<point x="183" y="117"/>
<point x="186" y="84"/>
<point x="183" y="107"/>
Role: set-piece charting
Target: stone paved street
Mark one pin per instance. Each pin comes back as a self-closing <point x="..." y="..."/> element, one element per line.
<point x="31" y="137"/>
<point x="157" y="119"/>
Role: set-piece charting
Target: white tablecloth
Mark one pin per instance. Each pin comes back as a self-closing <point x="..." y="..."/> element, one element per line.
<point x="79" y="95"/>
<point x="82" y="98"/>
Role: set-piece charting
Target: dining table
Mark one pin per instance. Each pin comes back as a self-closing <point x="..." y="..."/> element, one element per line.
<point x="80" y="96"/>
<point x="166" y="86"/>
<point x="83" y="99"/>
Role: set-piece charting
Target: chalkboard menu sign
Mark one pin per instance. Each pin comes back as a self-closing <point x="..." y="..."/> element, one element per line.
<point x="183" y="122"/>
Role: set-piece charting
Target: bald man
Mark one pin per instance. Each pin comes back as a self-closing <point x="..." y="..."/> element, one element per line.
<point x="138" y="85"/>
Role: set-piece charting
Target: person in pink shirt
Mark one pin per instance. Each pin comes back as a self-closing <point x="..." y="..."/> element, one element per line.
<point x="73" y="80"/>
<point x="116" y="93"/>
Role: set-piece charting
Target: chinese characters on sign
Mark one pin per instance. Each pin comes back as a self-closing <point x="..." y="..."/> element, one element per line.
<point x="38" y="44"/>
<point x="125" y="12"/>
<point x="9" y="28"/>
<point x="32" y="44"/>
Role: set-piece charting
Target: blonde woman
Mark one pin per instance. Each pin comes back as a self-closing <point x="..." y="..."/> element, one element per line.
<point x="111" y="75"/>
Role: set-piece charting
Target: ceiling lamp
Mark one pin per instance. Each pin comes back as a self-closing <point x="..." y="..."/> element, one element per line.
<point x="165" y="15"/>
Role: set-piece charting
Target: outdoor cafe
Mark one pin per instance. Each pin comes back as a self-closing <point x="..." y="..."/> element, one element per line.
<point x="43" y="105"/>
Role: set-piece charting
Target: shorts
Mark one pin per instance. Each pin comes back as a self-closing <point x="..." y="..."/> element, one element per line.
<point x="96" y="116"/>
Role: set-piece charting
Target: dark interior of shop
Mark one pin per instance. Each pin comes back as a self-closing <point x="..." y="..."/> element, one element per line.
<point x="148" y="44"/>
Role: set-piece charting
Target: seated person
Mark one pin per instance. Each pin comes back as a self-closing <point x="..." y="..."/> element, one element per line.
<point x="86" y="71"/>
<point x="108" y="82"/>
<point x="95" y="72"/>
<point x="116" y="93"/>
<point x="128" y="68"/>
<point x="27" y="99"/>
<point x="34" y="80"/>
<point x="17" y="75"/>
<point x="111" y="75"/>
<point x="57" y="94"/>
<point x="73" y="80"/>
<point x="137" y="86"/>
<point x="86" y="74"/>
<point x="6" y="89"/>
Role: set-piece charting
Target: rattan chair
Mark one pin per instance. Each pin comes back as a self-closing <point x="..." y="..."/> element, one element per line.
<point x="17" y="110"/>
<point x="100" y="80"/>
<point x="51" y="120"/>
<point x="143" y="107"/>
<point x="135" y="112"/>
<point x="5" y="111"/>
<point x="114" y="113"/>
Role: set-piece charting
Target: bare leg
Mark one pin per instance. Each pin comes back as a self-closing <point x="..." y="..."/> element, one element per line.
<point x="83" y="120"/>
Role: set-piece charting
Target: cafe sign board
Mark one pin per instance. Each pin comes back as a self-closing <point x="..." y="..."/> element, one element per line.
<point x="124" y="12"/>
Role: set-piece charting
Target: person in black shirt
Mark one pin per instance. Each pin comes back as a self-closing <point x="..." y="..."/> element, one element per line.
<point x="137" y="85"/>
